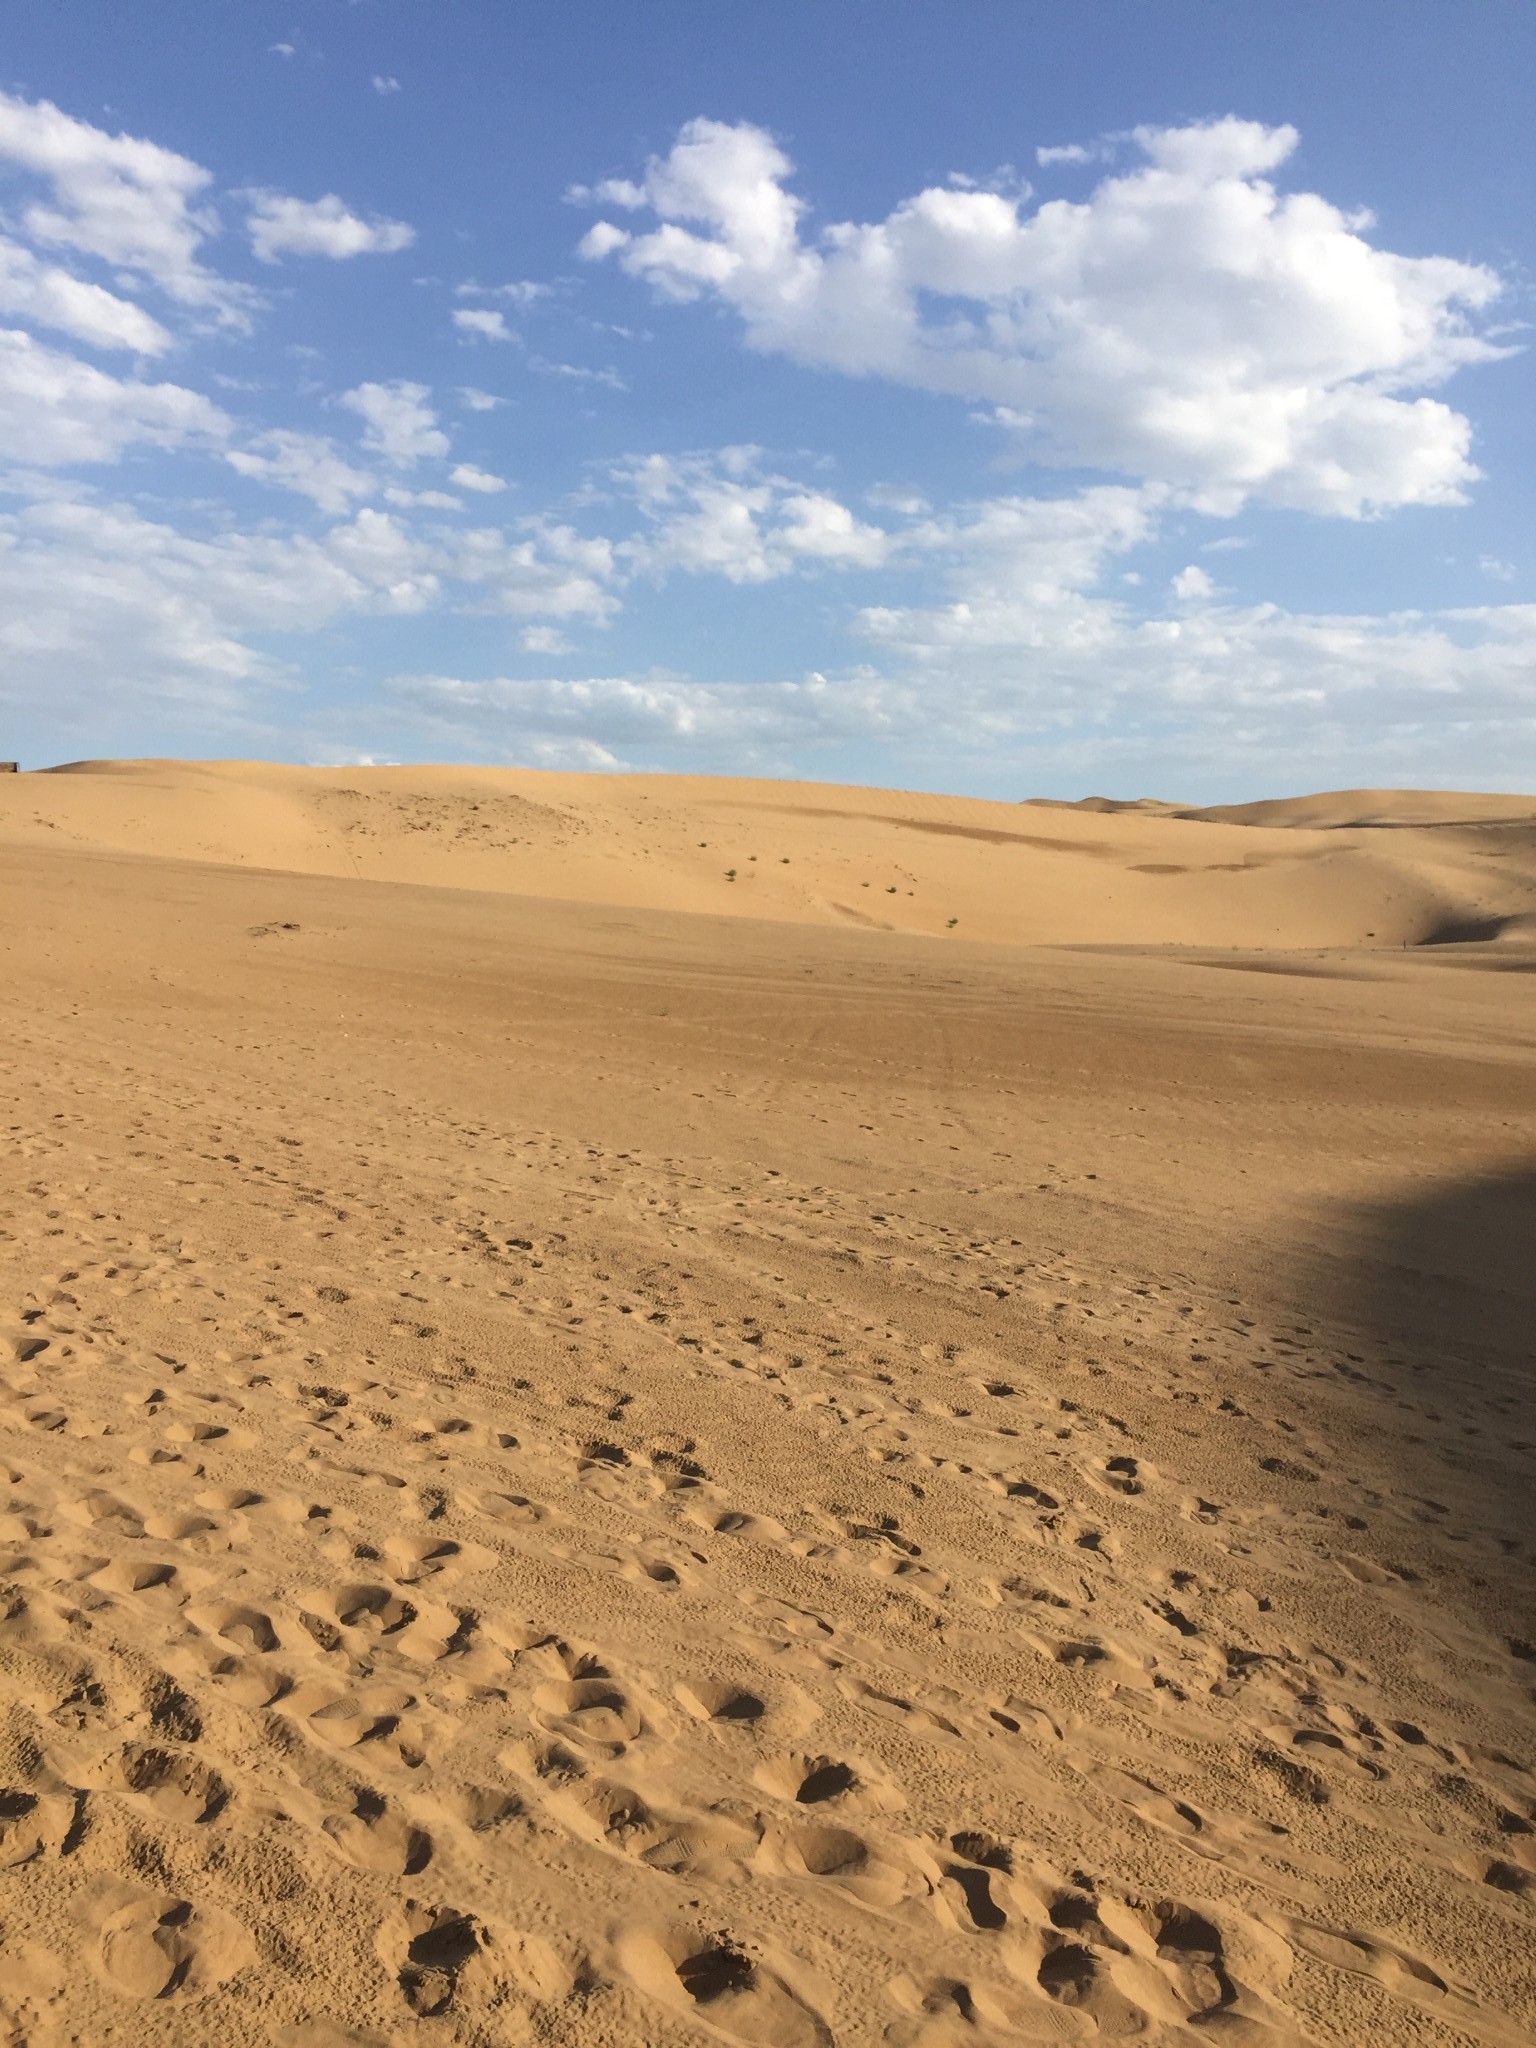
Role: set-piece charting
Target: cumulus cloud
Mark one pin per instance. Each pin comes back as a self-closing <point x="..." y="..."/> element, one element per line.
<point x="310" y="464"/>
<point x="51" y="297"/>
<point x="385" y="86"/>
<point x="723" y="515"/>
<point x="1193" y="585"/>
<point x="54" y="409"/>
<point x="545" y="569"/>
<point x="399" y="424"/>
<point x="481" y="323"/>
<point x="128" y="202"/>
<point x="280" y="225"/>
<point x="479" y="401"/>
<point x="1187" y="323"/>
<point x="468" y="478"/>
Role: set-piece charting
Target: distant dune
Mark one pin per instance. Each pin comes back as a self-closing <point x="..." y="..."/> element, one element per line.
<point x="1330" y="809"/>
<point x="1355" y="868"/>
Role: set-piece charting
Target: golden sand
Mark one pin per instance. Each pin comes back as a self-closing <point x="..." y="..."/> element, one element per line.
<point x="930" y="1445"/>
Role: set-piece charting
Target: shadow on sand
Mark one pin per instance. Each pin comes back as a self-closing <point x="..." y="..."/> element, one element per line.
<point x="1445" y="1288"/>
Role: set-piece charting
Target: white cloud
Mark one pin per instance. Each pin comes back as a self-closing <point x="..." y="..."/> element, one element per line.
<point x="522" y="292"/>
<point x="310" y="464"/>
<point x="550" y="571"/>
<point x="897" y="498"/>
<point x="602" y="239"/>
<point x="435" y="501"/>
<point x="1026" y="653"/>
<point x="106" y="613"/>
<point x="55" y="409"/>
<point x="468" y="478"/>
<point x="577" y="374"/>
<point x="483" y="323"/>
<point x="54" y="298"/>
<point x="815" y="527"/>
<point x="1192" y="585"/>
<point x="479" y="401"/>
<point x="280" y="49"/>
<point x="1069" y="153"/>
<point x="388" y="560"/>
<point x="670" y="714"/>
<point x="280" y="225"/>
<point x="1186" y="323"/>
<point x="1421" y="697"/>
<point x="125" y="201"/>
<point x="1491" y="565"/>
<point x="385" y="86"/>
<point x="543" y="640"/>
<point x="1022" y="572"/>
<point x="399" y="423"/>
<point x="722" y="515"/>
<point x="607" y="192"/>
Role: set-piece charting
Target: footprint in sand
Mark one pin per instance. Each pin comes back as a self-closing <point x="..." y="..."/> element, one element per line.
<point x="592" y="1712"/>
<point x="157" y="1946"/>
<point x="35" y="1823"/>
<point x="717" y="1699"/>
<point x="951" y="2012"/>
<point x="721" y="1983"/>
<point x="376" y="1836"/>
<point x="429" y="1948"/>
<point x="175" y="1785"/>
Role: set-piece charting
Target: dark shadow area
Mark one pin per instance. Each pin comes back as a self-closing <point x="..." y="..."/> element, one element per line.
<point x="1442" y="1292"/>
<point x="1455" y="1272"/>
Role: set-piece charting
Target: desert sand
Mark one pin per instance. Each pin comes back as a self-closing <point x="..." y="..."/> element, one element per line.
<point x="930" y="1445"/>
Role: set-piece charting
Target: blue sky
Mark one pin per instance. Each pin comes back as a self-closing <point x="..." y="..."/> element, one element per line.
<point x="1017" y="399"/>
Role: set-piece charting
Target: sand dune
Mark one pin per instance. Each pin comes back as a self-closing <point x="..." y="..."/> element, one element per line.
<point x="1316" y="872"/>
<point x="1331" y="810"/>
<point x="595" y="1455"/>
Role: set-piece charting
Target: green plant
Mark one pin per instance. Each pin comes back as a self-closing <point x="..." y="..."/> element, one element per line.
<point x="953" y="922"/>
<point x="730" y="874"/>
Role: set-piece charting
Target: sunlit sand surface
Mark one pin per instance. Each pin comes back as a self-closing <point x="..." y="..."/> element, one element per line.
<point x="930" y="1444"/>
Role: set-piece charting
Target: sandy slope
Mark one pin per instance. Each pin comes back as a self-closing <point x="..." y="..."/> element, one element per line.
<point x="816" y="853"/>
<point x="583" y="1473"/>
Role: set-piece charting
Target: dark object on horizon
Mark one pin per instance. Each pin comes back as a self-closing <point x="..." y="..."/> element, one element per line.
<point x="10" y="767"/>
